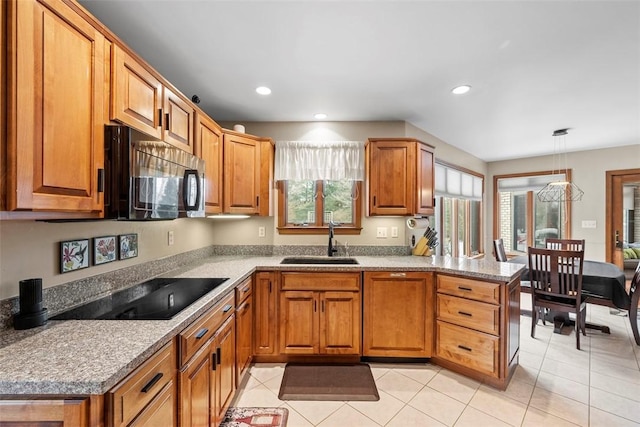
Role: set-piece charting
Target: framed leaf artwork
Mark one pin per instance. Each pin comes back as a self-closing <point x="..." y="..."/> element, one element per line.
<point x="74" y="255"/>
<point x="104" y="249"/>
<point x="128" y="245"/>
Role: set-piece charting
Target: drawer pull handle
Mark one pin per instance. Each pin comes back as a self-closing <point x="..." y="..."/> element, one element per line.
<point x="397" y="275"/>
<point x="463" y="288"/>
<point x="219" y="353"/>
<point x="226" y="308"/>
<point x="153" y="381"/>
<point x="213" y="362"/>
<point x="462" y="313"/>
<point x="202" y="332"/>
<point x="464" y="348"/>
<point x="247" y="289"/>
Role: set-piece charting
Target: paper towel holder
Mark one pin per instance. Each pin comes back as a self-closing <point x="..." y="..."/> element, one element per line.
<point x="31" y="312"/>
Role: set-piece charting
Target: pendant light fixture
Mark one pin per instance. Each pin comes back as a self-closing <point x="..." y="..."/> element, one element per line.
<point x="560" y="191"/>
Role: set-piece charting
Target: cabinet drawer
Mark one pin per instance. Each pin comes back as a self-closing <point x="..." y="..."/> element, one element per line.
<point x="320" y="281"/>
<point x="127" y="399"/>
<point x="243" y="291"/>
<point x="469" y="288"/>
<point x="199" y="332"/>
<point x="472" y="349"/>
<point x="471" y="314"/>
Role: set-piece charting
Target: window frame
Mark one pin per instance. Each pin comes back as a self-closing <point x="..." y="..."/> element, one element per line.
<point x="530" y="212"/>
<point x="318" y="227"/>
<point x="455" y="208"/>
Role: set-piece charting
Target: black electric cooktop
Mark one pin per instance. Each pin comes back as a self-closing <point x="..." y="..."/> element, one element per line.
<point x="156" y="299"/>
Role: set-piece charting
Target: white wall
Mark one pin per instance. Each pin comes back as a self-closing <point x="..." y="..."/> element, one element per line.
<point x="589" y="173"/>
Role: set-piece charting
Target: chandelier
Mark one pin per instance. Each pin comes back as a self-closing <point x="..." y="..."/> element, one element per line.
<point x="560" y="191"/>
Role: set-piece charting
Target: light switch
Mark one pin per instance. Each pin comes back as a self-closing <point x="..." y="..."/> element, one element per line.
<point x="588" y="224"/>
<point x="381" y="233"/>
<point x="394" y="231"/>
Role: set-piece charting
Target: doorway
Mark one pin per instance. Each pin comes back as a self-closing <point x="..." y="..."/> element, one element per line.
<point x="620" y="226"/>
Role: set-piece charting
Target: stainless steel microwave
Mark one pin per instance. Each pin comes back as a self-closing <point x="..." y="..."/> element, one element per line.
<point x="147" y="179"/>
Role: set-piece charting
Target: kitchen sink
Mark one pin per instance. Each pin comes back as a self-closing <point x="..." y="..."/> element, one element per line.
<point x="318" y="260"/>
<point x="155" y="299"/>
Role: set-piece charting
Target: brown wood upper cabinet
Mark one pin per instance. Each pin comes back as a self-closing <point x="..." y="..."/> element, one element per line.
<point x="55" y="114"/>
<point x="139" y="99"/>
<point x="248" y="166"/>
<point x="399" y="176"/>
<point x="208" y="146"/>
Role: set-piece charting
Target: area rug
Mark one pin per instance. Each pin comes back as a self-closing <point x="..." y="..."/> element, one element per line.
<point x="328" y="382"/>
<point x="255" y="417"/>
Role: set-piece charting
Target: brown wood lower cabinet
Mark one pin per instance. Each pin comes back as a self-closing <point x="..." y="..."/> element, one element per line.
<point x="145" y="392"/>
<point x="265" y="294"/>
<point x="398" y="314"/>
<point x="46" y="412"/>
<point x="244" y="329"/>
<point x="478" y="323"/>
<point x="316" y="321"/>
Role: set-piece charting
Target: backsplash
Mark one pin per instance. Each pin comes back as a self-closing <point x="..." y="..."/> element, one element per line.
<point x="62" y="297"/>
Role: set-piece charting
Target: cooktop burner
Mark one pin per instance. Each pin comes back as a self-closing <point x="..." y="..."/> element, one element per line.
<point x="156" y="299"/>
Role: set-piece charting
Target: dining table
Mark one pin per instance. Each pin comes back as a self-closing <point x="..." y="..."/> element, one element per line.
<point x="603" y="283"/>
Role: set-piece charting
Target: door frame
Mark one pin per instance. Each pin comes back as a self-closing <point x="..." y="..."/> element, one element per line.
<point x="613" y="208"/>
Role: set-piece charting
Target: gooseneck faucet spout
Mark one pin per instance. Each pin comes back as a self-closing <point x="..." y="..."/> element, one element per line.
<point x="331" y="250"/>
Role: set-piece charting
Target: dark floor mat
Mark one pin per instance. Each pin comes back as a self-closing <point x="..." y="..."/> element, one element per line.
<point x="328" y="382"/>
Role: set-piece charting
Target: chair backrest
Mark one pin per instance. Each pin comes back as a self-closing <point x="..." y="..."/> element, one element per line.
<point x="556" y="272"/>
<point x="565" y="244"/>
<point x="498" y="249"/>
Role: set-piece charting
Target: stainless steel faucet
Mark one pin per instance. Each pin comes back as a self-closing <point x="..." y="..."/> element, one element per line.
<point x="331" y="250"/>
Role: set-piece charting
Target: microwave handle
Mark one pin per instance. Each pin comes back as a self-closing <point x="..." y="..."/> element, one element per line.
<point x="190" y="174"/>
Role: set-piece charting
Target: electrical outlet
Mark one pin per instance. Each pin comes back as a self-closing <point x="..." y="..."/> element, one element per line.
<point x="261" y="232"/>
<point x="170" y="238"/>
<point x="381" y="233"/>
<point x="394" y="231"/>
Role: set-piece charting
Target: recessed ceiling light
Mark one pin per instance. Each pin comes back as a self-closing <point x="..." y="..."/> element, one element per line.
<point x="263" y="90"/>
<point x="459" y="90"/>
<point x="320" y="116"/>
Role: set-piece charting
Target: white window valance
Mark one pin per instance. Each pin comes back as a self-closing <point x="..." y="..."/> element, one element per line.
<point x="319" y="160"/>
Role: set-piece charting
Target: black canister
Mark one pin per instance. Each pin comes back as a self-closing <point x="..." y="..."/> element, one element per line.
<point x="31" y="312"/>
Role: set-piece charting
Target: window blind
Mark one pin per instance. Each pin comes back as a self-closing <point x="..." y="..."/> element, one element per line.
<point x="451" y="182"/>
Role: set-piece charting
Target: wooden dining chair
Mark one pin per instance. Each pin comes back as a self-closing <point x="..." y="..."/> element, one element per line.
<point x="634" y="295"/>
<point x="498" y="250"/>
<point x="565" y="244"/>
<point x="556" y="285"/>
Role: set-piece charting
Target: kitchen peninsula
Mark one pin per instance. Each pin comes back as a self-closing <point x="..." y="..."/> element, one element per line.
<point x="471" y="325"/>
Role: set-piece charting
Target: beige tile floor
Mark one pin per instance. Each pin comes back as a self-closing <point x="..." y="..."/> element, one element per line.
<point x="555" y="385"/>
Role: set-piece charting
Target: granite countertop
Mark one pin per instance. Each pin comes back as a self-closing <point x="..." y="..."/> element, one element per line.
<point x="81" y="357"/>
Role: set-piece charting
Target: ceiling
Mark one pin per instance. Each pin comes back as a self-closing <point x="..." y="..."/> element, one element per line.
<point x="534" y="66"/>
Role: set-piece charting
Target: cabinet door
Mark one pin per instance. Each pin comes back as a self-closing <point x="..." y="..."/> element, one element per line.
<point x="241" y="175"/>
<point x="398" y="314"/>
<point x="225" y="343"/>
<point x="55" y="116"/>
<point x="178" y="121"/>
<point x="424" y="180"/>
<point x="209" y="148"/>
<point x="392" y="169"/>
<point x="339" y="323"/>
<point x="244" y="337"/>
<point x="162" y="411"/>
<point x="197" y="389"/>
<point x="265" y="319"/>
<point x="298" y="322"/>
<point x="136" y="95"/>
